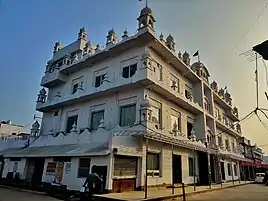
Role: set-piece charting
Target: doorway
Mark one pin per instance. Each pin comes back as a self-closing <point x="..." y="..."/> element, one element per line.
<point x="102" y="172"/>
<point x="222" y="171"/>
<point x="37" y="171"/>
<point x="176" y="167"/>
<point x="212" y="168"/>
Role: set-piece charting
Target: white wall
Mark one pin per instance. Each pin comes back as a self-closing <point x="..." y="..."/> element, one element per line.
<point x="71" y="179"/>
<point x="9" y="167"/>
<point x="166" y="164"/>
<point x="229" y="177"/>
<point x="110" y="104"/>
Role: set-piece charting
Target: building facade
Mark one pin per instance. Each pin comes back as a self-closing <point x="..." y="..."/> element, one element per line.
<point x="134" y="111"/>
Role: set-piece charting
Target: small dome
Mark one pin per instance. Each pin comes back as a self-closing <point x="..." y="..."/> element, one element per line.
<point x="186" y="55"/>
<point x="198" y="65"/>
<point x="35" y="125"/>
<point x="170" y="38"/>
<point x="83" y="29"/>
<point x="43" y="91"/>
<point x="146" y="11"/>
<point x="111" y="32"/>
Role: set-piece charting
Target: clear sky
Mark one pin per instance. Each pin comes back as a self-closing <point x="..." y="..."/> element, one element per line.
<point x="220" y="29"/>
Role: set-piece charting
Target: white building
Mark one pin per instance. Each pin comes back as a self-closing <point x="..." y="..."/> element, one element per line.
<point x="102" y="106"/>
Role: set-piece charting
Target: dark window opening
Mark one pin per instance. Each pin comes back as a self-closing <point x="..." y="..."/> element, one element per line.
<point x="70" y="122"/>
<point x="99" y="79"/>
<point x="191" y="166"/>
<point x="128" y="115"/>
<point x="129" y="71"/>
<point x="189" y="129"/>
<point x="84" y="167"/>
<point x="95" y="119"/>
<point x="229" y="169"/>
<point x="56" y="113"/>
<point x="153" y="161"/>
<point x="75" y="87"/>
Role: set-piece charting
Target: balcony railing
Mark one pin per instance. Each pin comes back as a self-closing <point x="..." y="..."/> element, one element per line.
<point x="229" y="128"/>
<point x="53" y="78"/>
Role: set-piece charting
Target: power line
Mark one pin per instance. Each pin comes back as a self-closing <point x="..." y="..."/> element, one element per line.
<point x="264" y="125"/>
<point x="251" y="26"/>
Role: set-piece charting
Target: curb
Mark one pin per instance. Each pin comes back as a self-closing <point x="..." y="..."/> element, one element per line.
<point x="174" y="196"/>
<point x="23" y="190"/>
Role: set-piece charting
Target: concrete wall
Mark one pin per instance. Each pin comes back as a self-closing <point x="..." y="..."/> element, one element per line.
<point x="9" y="167"/>
<point x="229" y="177"/>
<point x="165" y="152"/>
<point x="70" y="179"/>
<point x="111" y="104"/>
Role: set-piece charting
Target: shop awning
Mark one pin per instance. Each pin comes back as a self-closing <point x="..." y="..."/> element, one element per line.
<point x="87" y="149"/>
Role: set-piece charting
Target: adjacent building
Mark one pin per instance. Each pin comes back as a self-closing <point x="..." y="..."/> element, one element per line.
<point x="136" y="111"/>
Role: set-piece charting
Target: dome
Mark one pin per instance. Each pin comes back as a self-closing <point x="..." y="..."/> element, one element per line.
<point x="35" y="125"/>
<point x="42" y="91"/>
<point x="111" y="32"/>
<point x="170" y="38"/>
<point x="198" y="65"/>
<point x="146" y="11"/>
<point x="83" y="29"/>
<point x="186" y="54"/>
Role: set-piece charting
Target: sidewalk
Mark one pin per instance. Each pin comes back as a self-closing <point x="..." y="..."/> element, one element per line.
<point x="166" y="193"/>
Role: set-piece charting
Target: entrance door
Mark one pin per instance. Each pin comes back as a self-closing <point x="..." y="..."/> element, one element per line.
<point x="38" y="171"/>
<point x="222" y="171"/>
<point x="102" y="172"/>
<point x="212" y="168"/>
<point x="176" y="167"/>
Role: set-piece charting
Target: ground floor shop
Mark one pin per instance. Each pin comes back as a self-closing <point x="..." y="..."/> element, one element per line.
<point x="121" y="169"/>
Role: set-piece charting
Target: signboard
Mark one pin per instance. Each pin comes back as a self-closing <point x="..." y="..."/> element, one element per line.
<point x="58" y="173"/>
<point x="68" y="167"/>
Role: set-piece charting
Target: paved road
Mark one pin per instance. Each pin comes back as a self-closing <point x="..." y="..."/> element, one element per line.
<point x="251" y="192"/>
<point x="12" y="195"/>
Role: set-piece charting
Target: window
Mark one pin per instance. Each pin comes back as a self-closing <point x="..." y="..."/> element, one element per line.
<point x="84" y="165"/>
<point x="158" y="71"/>
<point x="75" y="87"/>
<point x="217" y="113"/>
<point x="95" y="119"/>
<point x="127" y="115"/>
<point x="125" y="166"/>
<point x="235" y="170"/>
<point x="229" y="169"/>
<point x="219" y="140"/>
<point x="175" y="83"/>
<point x="156" y="117"/>
<point x="153" y="164"/>
<point x="176" y="120"/>
<point x="70" y="121"/>
<point x="191" y="166"/>
<point x="51" y="167"/>
<point x="99" y="79"/>
<point x="56" y="113"/>
<point x="188" y="92"/>
<point x="129" y="71"/>
<point x="227" y="144"/>
<point x="233" y="146"/>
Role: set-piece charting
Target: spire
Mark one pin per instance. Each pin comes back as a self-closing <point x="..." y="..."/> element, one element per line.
<point x="146" y="18"/>
<point x="111" y="37"/>
<point x="82" y="34"/>
<point x="57" y="47"/>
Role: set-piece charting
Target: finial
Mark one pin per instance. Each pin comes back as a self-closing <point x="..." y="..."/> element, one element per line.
<point x="57" y="47"/>
<point x="161" y="37"/>
<point x="82" y="33"/>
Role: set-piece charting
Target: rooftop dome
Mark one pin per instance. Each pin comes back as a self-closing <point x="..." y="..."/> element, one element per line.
<point x="146" y="11"/>
<point x="186" y="54"/>
<point x="170" y="38"/>
<point x="198" y="65"/>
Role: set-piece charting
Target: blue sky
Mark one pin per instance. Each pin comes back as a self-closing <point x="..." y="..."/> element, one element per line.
<point x="218" y="28"/>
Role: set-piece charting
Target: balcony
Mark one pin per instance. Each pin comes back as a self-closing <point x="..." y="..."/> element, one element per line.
<point x="89" y="92"/>
<point x="227" y="128"/>
<point x="189" y="103"/>
<point x="53" y="78"/>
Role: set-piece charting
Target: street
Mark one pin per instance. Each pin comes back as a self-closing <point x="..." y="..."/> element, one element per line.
<point x="256" y="192"/>
<point x="13" y="195"/>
